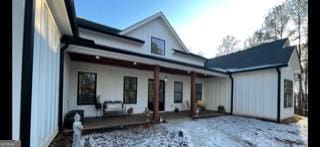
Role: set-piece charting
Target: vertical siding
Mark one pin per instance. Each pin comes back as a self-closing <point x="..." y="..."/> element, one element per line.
<point x="156" y="28"/>
<point x="110" y="87"/>
<point x="44" y="124"/>
<point x="255" y="94"/>
<point x="218" y="92"/>
<point x="17" y="41"/>
<point x="287" y="73"/>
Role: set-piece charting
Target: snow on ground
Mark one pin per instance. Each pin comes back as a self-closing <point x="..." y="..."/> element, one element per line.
<point x="218" y="131"/>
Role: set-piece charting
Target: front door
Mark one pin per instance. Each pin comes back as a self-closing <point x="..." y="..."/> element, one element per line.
<point x="151" y="94"/>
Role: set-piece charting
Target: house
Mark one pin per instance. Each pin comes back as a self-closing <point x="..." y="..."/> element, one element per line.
<point x="61" y="63"/>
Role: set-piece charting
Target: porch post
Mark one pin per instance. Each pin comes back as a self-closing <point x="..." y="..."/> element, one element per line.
<point x="193" y="93"/>
<point x="156" y="116"/>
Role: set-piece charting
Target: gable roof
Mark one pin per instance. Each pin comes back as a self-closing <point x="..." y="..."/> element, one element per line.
<point x="83" y="23"/>
<point x="268" y="55"/>
<point x="155" y="16"/>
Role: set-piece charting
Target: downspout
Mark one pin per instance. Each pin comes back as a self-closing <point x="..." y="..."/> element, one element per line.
<point x="231" y="105"/>
<point x="279" y="94"/>
<point x="63" y="48"/>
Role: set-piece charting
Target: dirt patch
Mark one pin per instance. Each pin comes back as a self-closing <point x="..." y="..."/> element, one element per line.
<point x="61" y="140"/>
<point x="293" y="119"/>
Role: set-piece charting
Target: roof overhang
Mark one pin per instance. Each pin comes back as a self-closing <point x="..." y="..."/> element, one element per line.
<point x="63" y="13"/>
<point x="248" y="69"/>
<point x="189" y="54"/>
<point x="90" y="48"/>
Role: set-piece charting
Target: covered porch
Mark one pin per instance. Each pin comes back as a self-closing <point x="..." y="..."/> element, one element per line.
<point x="159" y="95"/>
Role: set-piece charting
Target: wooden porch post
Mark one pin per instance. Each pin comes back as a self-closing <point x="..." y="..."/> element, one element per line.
<point x="193" y="94"/>
<point x="156" y="116"/>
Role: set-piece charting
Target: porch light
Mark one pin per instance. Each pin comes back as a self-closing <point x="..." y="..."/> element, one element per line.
<point x="165" y="79"/>
<point x="134" y="63"/>
<point x="97" y="57"/>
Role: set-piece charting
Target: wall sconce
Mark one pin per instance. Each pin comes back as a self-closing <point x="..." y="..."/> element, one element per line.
<point x="134" y="63"/>
<point x="97" y="57"/>
<point x="165" y="79"/>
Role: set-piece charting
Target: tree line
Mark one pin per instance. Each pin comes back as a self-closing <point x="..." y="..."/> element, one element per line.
<point x="287" y="20"/>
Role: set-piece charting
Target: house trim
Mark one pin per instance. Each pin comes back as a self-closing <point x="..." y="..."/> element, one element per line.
<point x="101" y="29"/>
<point x="72" y="15"/>
<point x="142" y="22"/>
<point x="279" y="95"/>
<point x="27" y="72"/>
<point x="231" y="105"/>
<point x="91" y="44"/>
<point x="60" y="124"/>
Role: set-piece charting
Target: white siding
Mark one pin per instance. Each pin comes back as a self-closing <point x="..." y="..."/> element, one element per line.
<point x="155" y="28"/>
<point x="17" y="42"/>
<point x="288" y="73"/>
<point x="110" y="87"/>
<point x="45" y="86"/>
<point x="218" y="92"/>
<point x="255" y="94"/>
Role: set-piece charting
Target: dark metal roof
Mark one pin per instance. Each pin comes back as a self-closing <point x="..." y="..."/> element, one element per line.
<point x="103" y="29"/>
<point x="91" y="44"/>
<point x="189" y="54"/>
<point x="266" y="55"/>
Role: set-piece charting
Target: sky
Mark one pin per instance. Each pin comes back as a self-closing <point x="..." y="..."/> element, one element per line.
<point x="201" y="24"/>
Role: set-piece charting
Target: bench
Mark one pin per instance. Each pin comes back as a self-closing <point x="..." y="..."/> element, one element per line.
<point x="113" y="108"/>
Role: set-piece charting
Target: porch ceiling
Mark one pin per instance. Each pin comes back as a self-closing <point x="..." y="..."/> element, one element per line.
<point x="129" y="64"/>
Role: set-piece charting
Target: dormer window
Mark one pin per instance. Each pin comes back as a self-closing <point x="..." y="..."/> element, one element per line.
<point x="157" y="46"/>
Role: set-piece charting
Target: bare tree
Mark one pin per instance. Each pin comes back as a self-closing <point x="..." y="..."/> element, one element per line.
<point x="228" y="45"/>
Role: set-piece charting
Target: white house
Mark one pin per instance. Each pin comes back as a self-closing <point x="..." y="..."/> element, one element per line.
<point x="61" y="63"/>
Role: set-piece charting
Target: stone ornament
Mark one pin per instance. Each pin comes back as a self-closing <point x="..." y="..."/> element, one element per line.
<point x="77" y="129"/>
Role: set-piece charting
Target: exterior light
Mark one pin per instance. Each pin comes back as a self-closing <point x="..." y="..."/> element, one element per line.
<point x="165" y="79"/>
<point x="97" y="57"/>
<point x="134" y="63"/>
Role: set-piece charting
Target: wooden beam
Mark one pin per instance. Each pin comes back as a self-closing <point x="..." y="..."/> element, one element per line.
<point x="193" y="94"/>
<point x="156" y="116"/>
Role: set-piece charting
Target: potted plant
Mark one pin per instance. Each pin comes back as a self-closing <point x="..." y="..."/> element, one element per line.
<point x="98" y="104"/>
<point x="147" y="114"/>
<point x="176" y="109"/>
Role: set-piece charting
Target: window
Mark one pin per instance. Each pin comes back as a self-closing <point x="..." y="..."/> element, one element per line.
<point x="288" y="93"/>
<point x="178" y="90"/>
<point x="87" y="83"/>
<point x="198" y="92"/>
<point x="130" y="90"/>
<point x="157" y="46"/>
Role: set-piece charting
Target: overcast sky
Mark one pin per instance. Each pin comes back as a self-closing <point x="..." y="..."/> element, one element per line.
<point x="201" y="24"/>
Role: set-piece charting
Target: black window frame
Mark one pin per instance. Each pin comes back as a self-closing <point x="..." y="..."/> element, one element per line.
<point x="126" y="90"/>
<point x="197" y="92"/>
<point x="287" y="103"/>
<point x="177" y="91"/>
<point x="164" y="46"/>
<point x="95" y="85"/>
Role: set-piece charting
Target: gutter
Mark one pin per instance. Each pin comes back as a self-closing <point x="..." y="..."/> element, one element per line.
<point x="63" y="48"/>
<point x="231" y="105"/>
<point x="72" y="15"/>
<point x="279" y="94"/>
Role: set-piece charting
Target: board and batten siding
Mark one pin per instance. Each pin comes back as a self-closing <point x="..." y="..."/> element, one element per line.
<point x="110" y="87"/>
<point x="255" y="94"/>
<point x="218" y="92"/>
<point x="45" y="85"/>
<point x="155" y="28"/>
<point x="288" y="73"/>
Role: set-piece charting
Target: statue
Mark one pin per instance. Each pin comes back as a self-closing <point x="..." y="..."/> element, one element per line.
<point x="77" y="129"/>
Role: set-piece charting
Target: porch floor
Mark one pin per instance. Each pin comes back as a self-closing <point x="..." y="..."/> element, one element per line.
<point x="115" y="122"/>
